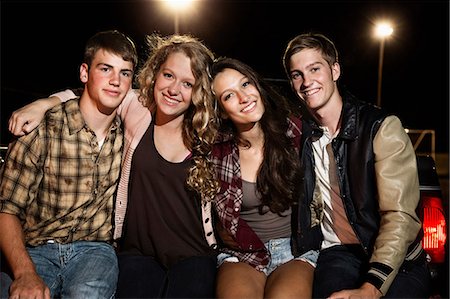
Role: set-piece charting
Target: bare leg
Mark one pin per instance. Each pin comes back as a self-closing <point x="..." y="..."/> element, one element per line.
<point x="291" y="280"/>
<point x="239" y="280"/>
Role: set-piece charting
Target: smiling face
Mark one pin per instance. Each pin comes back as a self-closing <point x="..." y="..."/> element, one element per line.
<point x="313" y="79"/>
<point x="173" y="87"/>
<point x="239" y="98"/>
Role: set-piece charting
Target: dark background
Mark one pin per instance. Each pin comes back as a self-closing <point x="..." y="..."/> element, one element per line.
<point x="42" y="44"/>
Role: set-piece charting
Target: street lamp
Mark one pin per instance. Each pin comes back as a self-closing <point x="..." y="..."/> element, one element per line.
<point x="382" y="31"/>
<point x="177" y="6"/>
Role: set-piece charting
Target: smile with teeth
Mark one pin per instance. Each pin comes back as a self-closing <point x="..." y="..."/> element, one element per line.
<point x="249" y="107"/>
<point x="310" y="92"/>
<point x="170" y="100"/>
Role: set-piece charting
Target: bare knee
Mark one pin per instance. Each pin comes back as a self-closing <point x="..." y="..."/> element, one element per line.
<point x="291" y="280"/>
<point x="239" y="280"/>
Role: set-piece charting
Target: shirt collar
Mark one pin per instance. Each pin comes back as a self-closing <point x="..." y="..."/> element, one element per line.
<point x="76" y="120"/>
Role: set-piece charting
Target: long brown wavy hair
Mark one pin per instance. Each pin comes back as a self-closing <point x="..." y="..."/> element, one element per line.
<point x="199" y="124"/>
<point x="279" y="174"/>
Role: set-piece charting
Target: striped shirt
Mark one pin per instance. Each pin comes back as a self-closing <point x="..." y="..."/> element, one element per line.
<point x="60" y="182"/>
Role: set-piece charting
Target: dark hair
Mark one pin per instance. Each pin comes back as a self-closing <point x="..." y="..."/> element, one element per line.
<point x="310" y="40"/>
<point x="112" y="41"/>
<point x="277" y="179"/>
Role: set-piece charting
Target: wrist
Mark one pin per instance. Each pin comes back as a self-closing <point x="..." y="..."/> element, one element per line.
<point x="48" y="103"/>
<point x="372" y="289"/>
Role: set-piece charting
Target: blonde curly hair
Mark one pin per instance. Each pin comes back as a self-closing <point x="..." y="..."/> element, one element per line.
<point x="200" y="126"/>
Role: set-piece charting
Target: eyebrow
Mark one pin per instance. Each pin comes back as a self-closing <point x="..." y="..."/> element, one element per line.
<point x="313" y="64"/>
<point x="111" y="66"/>
<point x="103" y="64"/>
<point x="308" y="66"/>
<point x="184" y="78"/>
<point x="242" y="79"/>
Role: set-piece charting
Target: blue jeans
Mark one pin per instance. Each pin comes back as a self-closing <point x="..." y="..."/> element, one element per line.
<point x="82" y="269"/>
<point x="343" y="267"/>
<point x="144" y="277"/>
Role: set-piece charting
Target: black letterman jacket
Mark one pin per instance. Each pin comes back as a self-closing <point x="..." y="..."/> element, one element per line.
<point x="378" y="179"/>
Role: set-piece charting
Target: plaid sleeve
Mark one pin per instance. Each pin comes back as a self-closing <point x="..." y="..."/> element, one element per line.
<point x="19" y="175"/>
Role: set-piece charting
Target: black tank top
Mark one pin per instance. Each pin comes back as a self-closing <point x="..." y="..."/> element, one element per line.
<point x="163" y="218"/>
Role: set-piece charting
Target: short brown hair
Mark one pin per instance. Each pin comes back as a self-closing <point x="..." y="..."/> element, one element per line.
<point x="315" y="41"/>
<point x="112" y="41"/>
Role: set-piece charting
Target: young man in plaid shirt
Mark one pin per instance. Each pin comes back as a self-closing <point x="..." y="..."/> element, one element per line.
<point x="57" y="185"/>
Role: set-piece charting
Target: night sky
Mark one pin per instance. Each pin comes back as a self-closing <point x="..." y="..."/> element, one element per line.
<point x="42" y="44"/>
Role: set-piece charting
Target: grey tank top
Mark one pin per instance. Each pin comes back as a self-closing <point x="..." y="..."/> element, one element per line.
<point x="268" y="225"/>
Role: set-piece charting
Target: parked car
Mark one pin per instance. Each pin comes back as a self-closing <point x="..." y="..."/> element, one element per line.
<point x="433" y="210"/>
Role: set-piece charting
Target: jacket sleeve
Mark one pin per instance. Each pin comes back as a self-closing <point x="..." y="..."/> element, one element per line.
<point x="136" y="118"/>
<point x="398" y="191"/>
<point x="68" y="94"/>
<point x="65" y="95"/>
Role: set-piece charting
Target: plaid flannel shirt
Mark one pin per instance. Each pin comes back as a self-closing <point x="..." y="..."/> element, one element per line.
<point x="59" y="182"/>
<point x="225" y="155"/>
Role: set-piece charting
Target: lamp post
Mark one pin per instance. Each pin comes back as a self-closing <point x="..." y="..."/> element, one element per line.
<point x="382" y="31"/>
<point x="177" y="6"/>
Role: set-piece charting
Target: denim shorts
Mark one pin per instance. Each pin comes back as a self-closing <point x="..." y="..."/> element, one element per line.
<point x="280" y="253"/>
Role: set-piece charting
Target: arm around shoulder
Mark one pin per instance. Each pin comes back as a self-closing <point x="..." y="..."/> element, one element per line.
<point x="26" y="119"/>
<point x="131" y="98"/>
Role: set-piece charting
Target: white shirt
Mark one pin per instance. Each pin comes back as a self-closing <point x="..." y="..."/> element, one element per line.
<point x="323" y="186"/>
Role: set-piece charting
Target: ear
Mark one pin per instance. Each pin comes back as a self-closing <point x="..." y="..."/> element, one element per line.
<point x="84" y="73"/>
<point x="336" y="71"/>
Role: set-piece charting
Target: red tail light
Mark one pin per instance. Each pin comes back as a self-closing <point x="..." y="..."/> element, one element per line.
<point x="434" y="228"/>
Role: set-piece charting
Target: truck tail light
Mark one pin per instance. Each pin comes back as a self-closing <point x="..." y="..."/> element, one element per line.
<point x="434" y="228"/>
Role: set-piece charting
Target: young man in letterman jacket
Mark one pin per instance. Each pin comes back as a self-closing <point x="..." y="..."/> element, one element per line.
<point x="361" y="186"/>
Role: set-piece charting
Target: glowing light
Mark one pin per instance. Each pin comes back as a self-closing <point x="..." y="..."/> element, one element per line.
<point x="383" y="30"/>
<point x="178" y="8"/>
<point x="178" y="4"/>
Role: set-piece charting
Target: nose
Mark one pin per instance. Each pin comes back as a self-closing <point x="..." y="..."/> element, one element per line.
<point x="307" y="81"/>
<point x="174" y="88"/>
<point x="115" y="79"/>
<point x="243" y="97"/>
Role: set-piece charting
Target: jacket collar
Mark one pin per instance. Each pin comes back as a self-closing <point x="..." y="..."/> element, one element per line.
<point x="349" y="117"/>
<point x="349" y="120"/>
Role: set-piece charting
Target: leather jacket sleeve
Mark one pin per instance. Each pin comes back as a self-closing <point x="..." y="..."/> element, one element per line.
<point x="398" y="189"/>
